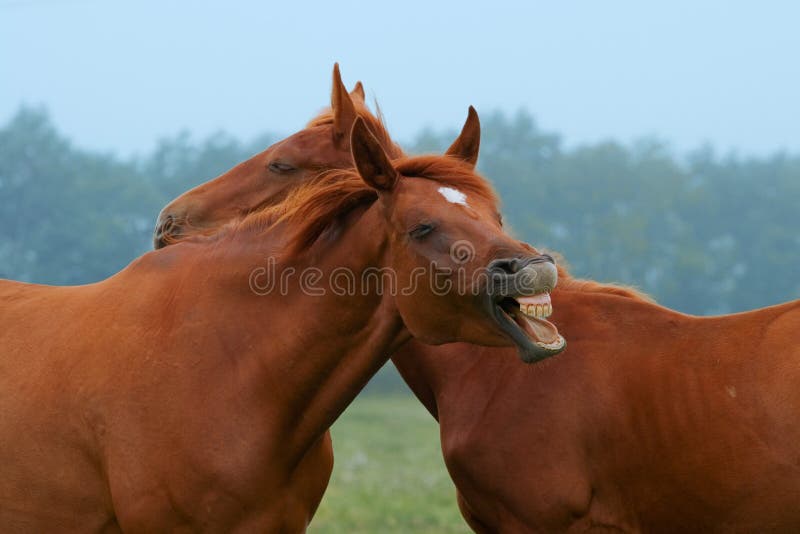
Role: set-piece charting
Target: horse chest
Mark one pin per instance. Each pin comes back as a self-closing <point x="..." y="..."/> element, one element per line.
<point x="545" y="488"/>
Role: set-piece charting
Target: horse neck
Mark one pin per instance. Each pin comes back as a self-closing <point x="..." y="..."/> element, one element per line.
<point x="587" y="314"/>
<point x="320" y="350"/>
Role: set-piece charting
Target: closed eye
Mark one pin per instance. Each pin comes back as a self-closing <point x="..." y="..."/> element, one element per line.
<point x="421" y="230"/>
<point x="280" y="167"/>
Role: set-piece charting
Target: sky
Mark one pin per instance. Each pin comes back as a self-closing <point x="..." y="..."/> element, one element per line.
<point x="117" y="75"/>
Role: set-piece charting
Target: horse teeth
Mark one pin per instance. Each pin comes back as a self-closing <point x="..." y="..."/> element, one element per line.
<point x="537" y="311"/>
<point x="557" y="344"/>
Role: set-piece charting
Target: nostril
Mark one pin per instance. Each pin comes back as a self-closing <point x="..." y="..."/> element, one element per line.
<point x="515" y="265"/>
<point x="505" y="266"/>
<point x="165" y="225"/>
<point x="167" y="228"/>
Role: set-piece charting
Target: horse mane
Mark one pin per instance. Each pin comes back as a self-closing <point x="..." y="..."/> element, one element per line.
<point x="375" y="123"/>
<point x="318" y="206"/>
<point x="568" y="282"/>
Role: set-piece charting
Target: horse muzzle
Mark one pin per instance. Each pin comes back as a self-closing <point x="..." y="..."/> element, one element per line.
<point x="519" y="301"/>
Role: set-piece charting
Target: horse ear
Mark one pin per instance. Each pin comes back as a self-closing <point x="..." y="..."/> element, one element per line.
<point x="358" y="92"/>
<point x="344" y="112"/>
<point x="370" y="159"/>
<point x="466" y="146"/>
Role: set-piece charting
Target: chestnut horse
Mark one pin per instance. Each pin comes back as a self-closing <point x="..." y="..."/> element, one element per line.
<point x="264" y="180"/>
<point x="186" y="391"/>
<point x="651" y="420"/>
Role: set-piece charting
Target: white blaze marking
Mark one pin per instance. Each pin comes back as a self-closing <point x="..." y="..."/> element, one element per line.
<point x="453" y="195"/>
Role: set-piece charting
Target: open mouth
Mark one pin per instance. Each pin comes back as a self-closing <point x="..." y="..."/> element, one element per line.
<point x="524" y="319"/>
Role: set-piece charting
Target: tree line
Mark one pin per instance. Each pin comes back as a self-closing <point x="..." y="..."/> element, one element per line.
<point x="702" y="232"/>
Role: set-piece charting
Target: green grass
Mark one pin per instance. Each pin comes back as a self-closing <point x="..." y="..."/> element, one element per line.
<point x="388" y="473"/>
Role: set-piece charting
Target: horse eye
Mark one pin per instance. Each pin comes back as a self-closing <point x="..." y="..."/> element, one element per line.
<point x="280" y="168"/>
<point x="420" y="231"/>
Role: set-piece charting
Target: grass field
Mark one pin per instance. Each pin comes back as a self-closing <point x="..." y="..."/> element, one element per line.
<point x="388" y="473"/>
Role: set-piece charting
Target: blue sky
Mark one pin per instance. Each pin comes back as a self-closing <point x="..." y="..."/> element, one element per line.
<point x="117" y="75"/>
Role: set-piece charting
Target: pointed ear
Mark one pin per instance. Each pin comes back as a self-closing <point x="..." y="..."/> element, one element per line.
<point x="370" y="159"/>
<point x="466" y="146"/>
<point x="358" y="92"/>
<point x="344" y="112"/>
